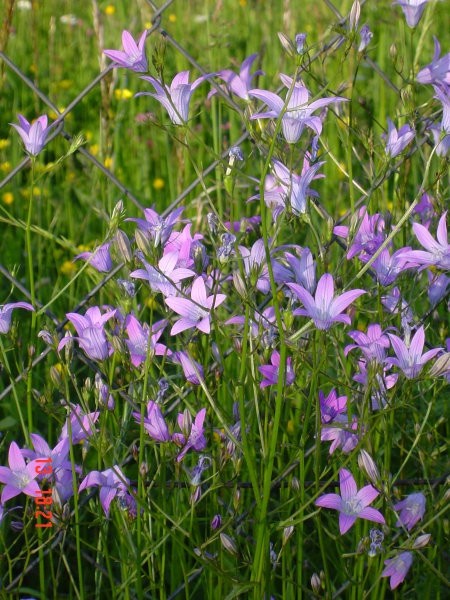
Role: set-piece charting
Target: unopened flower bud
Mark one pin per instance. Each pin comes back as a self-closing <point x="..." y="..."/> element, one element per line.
<point x="229" y="544"/>
<point x="367" y="464"/>
<point x="122" y="246"/>
<point x="421" y="541"/>
<point x="295" y="484"/>
<point x="287" y="44"/>
<point x="287" y="532"/>
<point x="216" y="522"/>
<point x="354" y="15"/>
<point x="239" y="284"/>
<point x="441" y="366"/>
<point x="143" y="469"/>
<point x="55" y="375"/>
<point x="300" y="40"/>
<point x="316" y="584"/>
<point x="143" y="242"/>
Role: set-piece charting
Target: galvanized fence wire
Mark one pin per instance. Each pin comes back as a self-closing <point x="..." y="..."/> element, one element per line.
<point x="59" y="129"/>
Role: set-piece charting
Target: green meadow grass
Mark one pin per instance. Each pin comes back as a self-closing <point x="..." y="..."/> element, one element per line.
<point x="265" y="491"/>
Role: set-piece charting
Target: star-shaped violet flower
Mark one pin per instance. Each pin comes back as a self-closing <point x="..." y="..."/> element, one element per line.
<point x="133" y="55"/>
<point x="143" y="340"/>
<point x="397" y="140"/>
<point x="163" y="278"/>
<point x="351" y="503"/>
<point x="6" y="312"/>
<point x="195" y="312"/>
<point x="19" y="478"/>
<point x="438" y="71"/>
<point x="437" y="252"/>
<point x="397" y="568"/>
<point x="154" y="424"/>
<point x="298" y="111"/>
<point x="239" y="84"/>
<point x="325" y="308"/>
<point x="33" y="135"/>
<point x="177" y="96"/>
<point x="412" y="9"/>
<point x="412" y="509"/>
<point x="410" y="359"/>
<point x="91" y="334"/>
<point x="111" y="482"/>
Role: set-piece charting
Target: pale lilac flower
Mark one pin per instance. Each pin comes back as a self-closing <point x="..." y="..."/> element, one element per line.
<point x="412" y="509"/>
<point x="271" y="372"/>
<point x="255" y="267"/>
<point x="351" y="503"/>
<point x="100" y="259"/>
<point x="133" y="55"/>
<point x="380" y="384"/>
<point x="184" y="243"/>
<point x="294" y="189"/>
<point x="438" y="71"/>
<point x="342" y="434"/>
<point x="159" y="228"/>
<point x="325" y="308"/>
<point x="104" y="397"/>
<point x="331" y="406"/>
<point x="111" y="482"/>
<point x="365" y="36"/>
<point x="397" y="140"/>
<point x="91" y="335"/>
<point x="438" y="286"/>
<point x="33" y="135"/>
<point x="6" y="313"/>
<point x="58" y="454"/>
<point x="194" y="438"/>
<point x="409" y="357"/>
<point x="301" y="270"/>
<point x="239" y="84"/>
<point x="193" y="371"/>
<point x="388" y="267"/>
<point x="412" y="9"/>
<point x="373" y="344"/>
<point x="177" y="97"/>
<point x="163" y="278"/>
<point x="369" y="236"/>
<point x="19" y="478"/>
<point x="395" y="304"/>
<point x="397" y="568"/>
<point x="425" y="210"/>
<point x="81" y="424"/>
<point x="154" y="424"/>
<point x="437" y="252"/>
<point x="143" y="340"/>
<point x="297" y="113"/>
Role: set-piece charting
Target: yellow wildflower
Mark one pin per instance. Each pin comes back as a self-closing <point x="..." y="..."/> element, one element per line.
<point x="67" y="268"/>
<point x="124" y="94"/>
<point x="172" y="18"/>
<point x="4" y="144"/>
<point x="8" y="198"/>
<point x="158" y="183"/>
<point x="110" y="10"/>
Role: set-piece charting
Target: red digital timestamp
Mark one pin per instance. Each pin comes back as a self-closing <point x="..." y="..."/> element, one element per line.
<point x="45" y="497"/>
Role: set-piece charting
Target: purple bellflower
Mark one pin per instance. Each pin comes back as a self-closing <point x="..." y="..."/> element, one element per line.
<point x="239" y="84"/>
<point x="412" y="509"/>
<point x="91" y="335"/>
<point x="193" y="434"/>
<point x="341" y="433"/>
<point x="369" y="236"/>
<point x="177" y="97"/>
<point x="297" y="113"/>
<point x="111" y="482"/>
<point x="372" y="344"/>
<point x="436" y="253"/>
<point x="388" y="267"/>
<point x="397" y="140"/>
<point x="271" y="372"/>
<point x="325" y="308"/>
<point x="133" y="55"/>
<point x="410" y="359"/>
<point x="193" y="371"/>
<point x="163" y="278"/>
<point x="19" y="478"/>
<point x="331" y="406"/>
<point x="81" y="424"/>
<point x="380" y="384"/>
<point x="157" y="227"/>
<point x="143" y="340"/>
<point x="302" y="270"/>
<point x="351" y="503"/>
<point x="412" y="9"/>
<point x="100" y="259"/>
<point x="195" y="312"/>
<point x="6" y="313"/>
<point x="438" y="71"/>
<point x="154" y="424"/>
<point x="438" y="286"/>
<point x="397" y="568"/>
<point x="33" y="135"/>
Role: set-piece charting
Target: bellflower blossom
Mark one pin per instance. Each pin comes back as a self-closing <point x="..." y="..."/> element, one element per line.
<point x="193" y="371"/>
<point x="154" y="424"/>
<point x="412" y="509"/>
<point x="143" y="340"/>
<point x="409" y="357"/>
<point x="271" y="372"/>
<point x="239" y="84"/>
<point x="388" y="267"/>
<point x="436" y="253"/>
<point x="297" y="113"/>
<point x="81" y="424"/>
<point x="195" y="312"/>
<point x="193" y="433"/>
<point x="133" y="55"/>
<point x="163" y="278"/>
<point x="157" y="227"/>
<point x="325" y="308"/>
<point x="341" y="433"/>
<point x="6" y="313"/>
<point x="369" y="236"/>
<point x="397" y="568"/>
<point x="100" y="259"/>
<point x="372" y="344"/>
<point x="91" y="335"/>
<point x="396" y="141"/>
<point x="177" y="97"/>
<point x="351" y="503"/>
<point x="33" y="135"/>
<point x="438" y="287"/>
<point x="380" y="384"/>
<point x="331" y="406"/>
<point x="19" y="478"/>
<point x="111" y="482"/>
<point x="438" y="71"/>
<point x="412" y="9"/>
